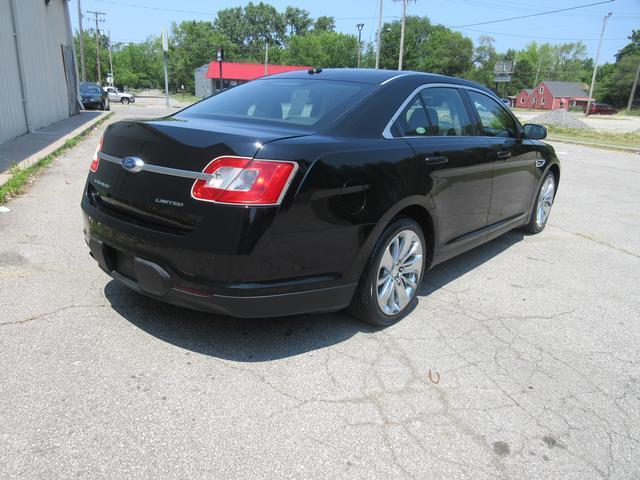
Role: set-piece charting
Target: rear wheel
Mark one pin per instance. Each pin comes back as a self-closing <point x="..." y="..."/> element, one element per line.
<point x="388" y="287"/>
<point x="542" y="207"/>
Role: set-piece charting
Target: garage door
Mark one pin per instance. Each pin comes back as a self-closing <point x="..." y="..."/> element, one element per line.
<point x="12" y="119"/>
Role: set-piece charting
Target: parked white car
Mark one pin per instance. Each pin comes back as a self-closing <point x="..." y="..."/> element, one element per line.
<point x="117" y="96"/>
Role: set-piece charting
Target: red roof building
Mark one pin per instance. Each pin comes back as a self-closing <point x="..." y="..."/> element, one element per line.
<point x="209" y="80"/>
<point x="247" y="71"/>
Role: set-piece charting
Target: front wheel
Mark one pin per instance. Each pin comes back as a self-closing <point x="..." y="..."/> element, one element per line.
<point x="542" y="207"/>
<point x="389" y="284"/>
<point x="125" y="101"/>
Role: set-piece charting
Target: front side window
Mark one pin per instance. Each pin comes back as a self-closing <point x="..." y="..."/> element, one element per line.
<point x="435" y="112"/>
<point x="283" y="101"/>
<point x="496" y="121"/>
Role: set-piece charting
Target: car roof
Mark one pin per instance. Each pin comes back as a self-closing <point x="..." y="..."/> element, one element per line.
<point x="370" y="76"/>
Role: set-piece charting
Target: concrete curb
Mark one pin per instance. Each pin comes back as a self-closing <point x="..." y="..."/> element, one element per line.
<point x="596" y="145"/>
<point x="52" y="147"/>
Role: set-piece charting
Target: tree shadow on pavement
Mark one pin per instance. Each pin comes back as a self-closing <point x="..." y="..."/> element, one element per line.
<point x="264" y="339"/>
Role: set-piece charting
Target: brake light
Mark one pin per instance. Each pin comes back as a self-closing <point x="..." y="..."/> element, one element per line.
<point x="95" y="161"/>
<point x="242" y="181"/>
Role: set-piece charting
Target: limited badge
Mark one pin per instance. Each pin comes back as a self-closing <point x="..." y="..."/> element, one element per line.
<point x="420" y="130"/>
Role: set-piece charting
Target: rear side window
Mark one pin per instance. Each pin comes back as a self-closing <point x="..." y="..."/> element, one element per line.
<point x="435" y="112"/>
<point x="293" y="102"/>
<point x="496" y="121"/>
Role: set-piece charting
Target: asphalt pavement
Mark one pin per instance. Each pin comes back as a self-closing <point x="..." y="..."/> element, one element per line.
<point x="520" y="361"/>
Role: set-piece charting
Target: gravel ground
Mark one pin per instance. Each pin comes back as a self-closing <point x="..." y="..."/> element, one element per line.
<point x="607" y="123"/>
<point x="559" y="118"/>
<point x="520" y="362"/>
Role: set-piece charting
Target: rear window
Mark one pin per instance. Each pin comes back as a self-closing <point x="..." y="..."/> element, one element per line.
<point x="291" y="102"/>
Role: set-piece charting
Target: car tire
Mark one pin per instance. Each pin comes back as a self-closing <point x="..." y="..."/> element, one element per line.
<point x="393" y="268"/>
<point x="125" y="101"/>
<point x="542" y="206"/>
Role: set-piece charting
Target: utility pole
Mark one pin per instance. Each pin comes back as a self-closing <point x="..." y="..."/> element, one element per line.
<point x="111" y="62"/>
<point x="378" y="37"/>
<point x="165" y="55"/>
<point x="97" y="16"/>
<point x="82" y="67"/>
<point x="595" y="66"/>
<point x="535" y="82"/>
<point x="404" y="19"/>
<point x="633" y="89"/>
<point x="266" y="58"/>
<point x="359" y="26"/>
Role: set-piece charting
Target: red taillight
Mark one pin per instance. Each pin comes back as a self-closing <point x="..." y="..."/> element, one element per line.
<point x="95" y="161"/>
<point x="242" y="181"/>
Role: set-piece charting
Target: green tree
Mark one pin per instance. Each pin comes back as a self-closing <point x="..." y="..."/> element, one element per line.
<point x="484" y="60"/>
<point x="90" y="55"/>
<point x="614" y="81"/>
<point x="322" y="49"/>
<point x="631" y="48"/>
<point x="298" y="21"/>
<point x="324" y="24"/>
<point x="193" y="43"/>
<point x="427" y="47"/>
<point x="139" y="65"/>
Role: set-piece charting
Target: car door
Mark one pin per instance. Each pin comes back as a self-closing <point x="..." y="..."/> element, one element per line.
<point x="113" y="94"/>
<point x="436" y="124"/>
<point x="514" y="159"/>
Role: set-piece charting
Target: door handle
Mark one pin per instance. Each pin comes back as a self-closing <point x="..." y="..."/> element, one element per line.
<point x="436" y="159"/>
<point x="503" y="154"/>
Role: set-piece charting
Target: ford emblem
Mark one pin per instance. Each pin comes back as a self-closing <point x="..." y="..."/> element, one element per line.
<point x="132" y="164"/>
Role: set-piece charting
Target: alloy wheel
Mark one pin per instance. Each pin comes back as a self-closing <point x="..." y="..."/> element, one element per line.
<point x="399" y="272"/>
<point x="545" y="200"/>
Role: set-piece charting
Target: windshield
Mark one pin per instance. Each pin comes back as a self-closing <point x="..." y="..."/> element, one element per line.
<point x="90" y="89"/>
<point x="286" y="101"/>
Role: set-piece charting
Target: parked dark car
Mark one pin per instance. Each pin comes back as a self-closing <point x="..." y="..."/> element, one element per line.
<point x="313" y="191"/>
<point x="94" y="96"/>
<point x="600" y="108"/>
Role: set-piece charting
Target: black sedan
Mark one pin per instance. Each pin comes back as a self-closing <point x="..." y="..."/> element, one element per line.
<point x="94" y="96"/>
<point x="313" y="191"/>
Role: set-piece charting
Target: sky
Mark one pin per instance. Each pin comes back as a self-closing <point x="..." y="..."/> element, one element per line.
<point x="135" y="20"/>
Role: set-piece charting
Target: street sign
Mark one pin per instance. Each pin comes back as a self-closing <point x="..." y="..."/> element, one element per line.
<point x="165" y="40"/>
<point x="503" y="67"/>
<point x="109" y="79"/>
<point x="502" y="78"/>
<point x="220" y="55"/>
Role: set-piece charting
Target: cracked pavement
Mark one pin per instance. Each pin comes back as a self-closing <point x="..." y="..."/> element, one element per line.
<point x="520" y="361"/>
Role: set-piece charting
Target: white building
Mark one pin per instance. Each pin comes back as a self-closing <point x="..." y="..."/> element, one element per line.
<point x="38" y="75"/>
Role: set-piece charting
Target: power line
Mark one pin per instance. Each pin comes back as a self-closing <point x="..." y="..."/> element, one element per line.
<point x="533" y="14"/>
<point x="175" y="10"/>
<point x="538" y="37"/>
<point x="148" y="7"/>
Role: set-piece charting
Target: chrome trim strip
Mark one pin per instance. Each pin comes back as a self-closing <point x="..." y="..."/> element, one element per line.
<point x="386" y="133"/>
<point x="394" y="77"/>
<point x="176" y="172"/>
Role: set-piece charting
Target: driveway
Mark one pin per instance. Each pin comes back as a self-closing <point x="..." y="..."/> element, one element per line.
<point x="520" y="362"/>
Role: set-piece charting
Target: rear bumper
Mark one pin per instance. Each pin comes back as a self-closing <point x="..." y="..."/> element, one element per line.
<point x="154" y="281"/>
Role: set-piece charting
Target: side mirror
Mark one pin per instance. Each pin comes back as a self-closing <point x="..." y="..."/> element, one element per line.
<point x="534" y="131"/>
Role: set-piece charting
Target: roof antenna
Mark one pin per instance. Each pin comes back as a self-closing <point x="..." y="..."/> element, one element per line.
<point x="314" y="71"/>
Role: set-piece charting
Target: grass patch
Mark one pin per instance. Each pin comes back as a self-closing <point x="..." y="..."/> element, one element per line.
<point x="635" y="112"/>
<point x="624" y="139"/>
<point x="19" y="176"/>
<point x="185" y="97"/>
